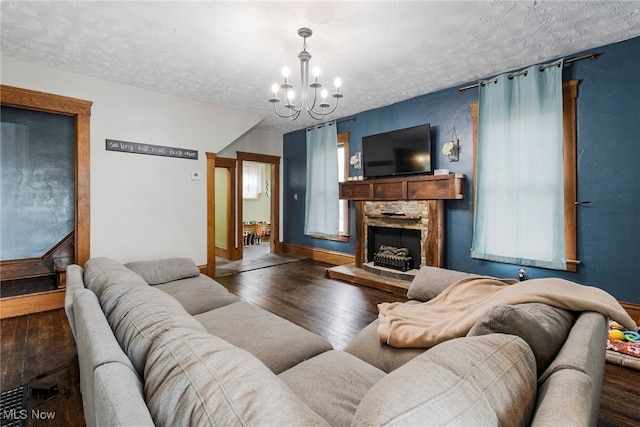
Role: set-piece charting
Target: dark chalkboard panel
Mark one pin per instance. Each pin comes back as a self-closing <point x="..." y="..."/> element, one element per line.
<point x="37" y="181"/>
<point x="152" y="150"/>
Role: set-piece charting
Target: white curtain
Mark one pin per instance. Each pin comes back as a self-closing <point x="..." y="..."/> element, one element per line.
<point x="519" y="212"/>
<point x="253" y="177"/>
<point x="321" y="203"/>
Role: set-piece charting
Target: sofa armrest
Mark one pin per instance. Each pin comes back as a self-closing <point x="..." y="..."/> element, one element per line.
<point x="119" y="397"/>
<point x="74" y="283"/>
<point x="565" y="399"/>
<point x="584" y="352"/>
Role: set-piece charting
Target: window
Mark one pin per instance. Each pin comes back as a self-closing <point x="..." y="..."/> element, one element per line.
<point x="569" y="95"/>
<point x="343" y="173"/>
<point x="253" y="178"/>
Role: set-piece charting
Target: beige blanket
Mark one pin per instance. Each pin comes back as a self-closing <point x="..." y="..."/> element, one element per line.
<point x="452" y="313"/>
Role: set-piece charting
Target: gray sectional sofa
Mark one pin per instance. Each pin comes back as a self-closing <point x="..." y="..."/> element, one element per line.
<point x="160" y="344"/>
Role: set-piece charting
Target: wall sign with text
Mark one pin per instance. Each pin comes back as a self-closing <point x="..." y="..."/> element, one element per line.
<point x="152" y="150"/>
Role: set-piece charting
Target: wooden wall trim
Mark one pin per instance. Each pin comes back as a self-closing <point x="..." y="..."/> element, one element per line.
<point x="633" y="310"/>
<point x="318" y="254"/>
<point x="39" y="101"/>
<point x="211" y="215"/>
<point x="32" y="303"/>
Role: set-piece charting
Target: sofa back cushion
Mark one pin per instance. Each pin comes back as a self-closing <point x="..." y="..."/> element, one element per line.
<point x="430" y="281"/>
<point x="197" y="379"/>
<point x="138" y="314"/>
<point x="543" y="327"/>
<point x="164" y="270"/>
<point x="100" y="273"/>
<point x="485" y="380"/>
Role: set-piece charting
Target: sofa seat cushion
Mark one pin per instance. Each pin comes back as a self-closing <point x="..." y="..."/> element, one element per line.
<point x="164" y="270"/>
<point x="543" y="327"/>
<point x="198" y="294"/>
<point x="100" y="273"/>
<point x="367" y="346"/>
<point x="278" y="343"/>
<point x="469" y="381"/>
<point x="332" y="384"/>
<point x="431" y="281"/>
<point x="196" y="379"/>
<point x="138" y="314"/>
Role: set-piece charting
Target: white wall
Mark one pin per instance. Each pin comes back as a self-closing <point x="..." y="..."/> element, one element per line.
<point x="142" y="207"/>
<point x="260" y="141"/>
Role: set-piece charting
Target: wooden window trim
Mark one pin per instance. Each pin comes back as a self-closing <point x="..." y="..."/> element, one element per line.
<point x="569" y="144"/>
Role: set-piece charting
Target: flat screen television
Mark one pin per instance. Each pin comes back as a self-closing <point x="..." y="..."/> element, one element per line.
<point x="399" y="152"/>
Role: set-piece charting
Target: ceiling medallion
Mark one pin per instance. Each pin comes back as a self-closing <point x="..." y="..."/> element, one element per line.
<point x="309" y="91"/>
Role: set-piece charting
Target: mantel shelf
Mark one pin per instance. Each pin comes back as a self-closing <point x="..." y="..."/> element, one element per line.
<point x="423" y="187"/>
<point x="397" y="217"/>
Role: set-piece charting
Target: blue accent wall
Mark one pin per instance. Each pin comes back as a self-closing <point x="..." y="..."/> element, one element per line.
<point x="608" y="113"/>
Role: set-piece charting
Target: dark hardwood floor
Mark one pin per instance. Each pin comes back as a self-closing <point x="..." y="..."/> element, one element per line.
<point x="36" y="344"/>
<point x="297" y="291"/>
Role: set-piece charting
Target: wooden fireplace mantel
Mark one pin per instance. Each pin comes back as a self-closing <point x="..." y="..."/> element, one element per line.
<point x="423" y="187"/>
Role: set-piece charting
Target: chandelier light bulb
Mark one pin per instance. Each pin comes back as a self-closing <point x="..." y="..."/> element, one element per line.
<point x="337" y="82"/>
<point x="274" y="88"/>
<point x="285" y="72"/>
<point x="290" y="95"/>
<point x="324" y="93"/>
<point x="316" y="71"/>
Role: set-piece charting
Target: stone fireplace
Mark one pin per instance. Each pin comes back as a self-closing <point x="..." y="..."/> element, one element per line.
<point x="413" y="224"/>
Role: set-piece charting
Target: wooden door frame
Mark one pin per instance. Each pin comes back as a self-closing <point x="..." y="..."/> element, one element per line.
<point x="80" y="109"/>
<point x="230" y="165"/>
<point x="212" y="162"/>
<point x="274" y="161"/>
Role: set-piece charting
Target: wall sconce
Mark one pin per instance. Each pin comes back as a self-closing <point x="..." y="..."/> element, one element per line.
<point x="452" y="148"/>
<point x="356" y="160"/>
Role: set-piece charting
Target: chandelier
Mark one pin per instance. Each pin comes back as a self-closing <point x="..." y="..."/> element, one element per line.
<point x="309" y="91"/>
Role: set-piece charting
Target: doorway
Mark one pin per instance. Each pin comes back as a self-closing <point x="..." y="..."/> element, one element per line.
<point x="227" y="231"/>
<point x="273" y="164"/>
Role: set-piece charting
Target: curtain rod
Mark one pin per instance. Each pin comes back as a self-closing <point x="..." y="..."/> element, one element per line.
<point x="592" y="56"/>
<point x="346" y="119"/>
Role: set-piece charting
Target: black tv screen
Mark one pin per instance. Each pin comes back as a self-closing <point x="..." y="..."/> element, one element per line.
<point x="399" y="152"/>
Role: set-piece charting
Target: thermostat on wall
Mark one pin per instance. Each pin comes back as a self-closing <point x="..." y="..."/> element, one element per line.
<point x="195" y="176"/>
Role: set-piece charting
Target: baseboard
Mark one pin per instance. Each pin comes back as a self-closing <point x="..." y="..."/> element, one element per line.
<point x="222" y="253"/>
<point x="632" y="309"/>
<point x="318" y="254"/>
<point x="32" y="303"/>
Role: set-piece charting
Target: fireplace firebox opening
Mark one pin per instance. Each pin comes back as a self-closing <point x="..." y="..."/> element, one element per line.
<point x="401" y="244"/>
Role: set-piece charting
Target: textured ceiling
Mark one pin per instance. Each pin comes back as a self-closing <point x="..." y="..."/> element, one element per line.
<point x="229" y="53"/>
